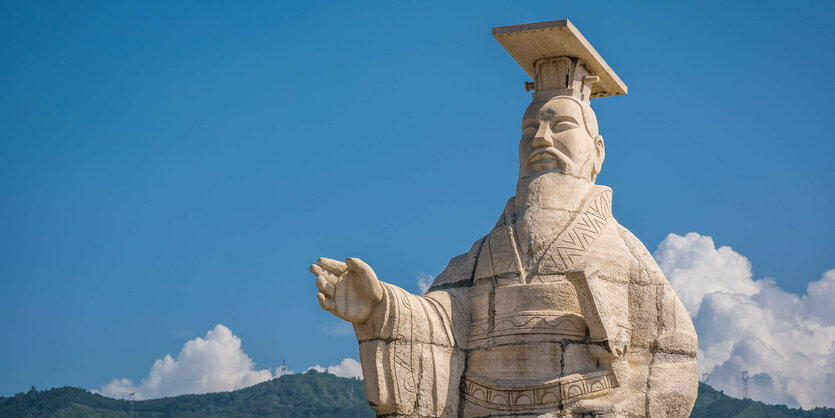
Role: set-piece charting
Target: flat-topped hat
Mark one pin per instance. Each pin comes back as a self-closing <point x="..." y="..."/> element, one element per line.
<point x="559" y="60"/>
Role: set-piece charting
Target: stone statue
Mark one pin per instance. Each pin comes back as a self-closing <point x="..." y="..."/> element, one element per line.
<point x="559" y="311"/>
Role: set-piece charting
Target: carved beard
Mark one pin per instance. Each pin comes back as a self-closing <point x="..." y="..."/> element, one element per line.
<point x="537" y="227"/>
<point x="542" y="215"/>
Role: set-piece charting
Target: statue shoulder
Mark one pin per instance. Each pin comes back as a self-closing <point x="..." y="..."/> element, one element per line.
<point x="459" y="270"/>
<point x="675" y="331"/>
<point x="650" y="272"/>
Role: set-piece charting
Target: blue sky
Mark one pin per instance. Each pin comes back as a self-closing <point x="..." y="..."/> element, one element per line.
<point x="168" y="167"/>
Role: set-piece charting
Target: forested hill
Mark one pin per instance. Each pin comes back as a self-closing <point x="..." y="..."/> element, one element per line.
<point x="297" y="395"/>
<point x="305" y="395"/>
<point x="712" y="403"/>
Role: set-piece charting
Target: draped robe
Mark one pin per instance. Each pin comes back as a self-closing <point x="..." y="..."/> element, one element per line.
<point x="587" y="324"/>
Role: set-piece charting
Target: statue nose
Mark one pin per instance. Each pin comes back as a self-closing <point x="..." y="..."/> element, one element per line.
<point x="542" y="137"/>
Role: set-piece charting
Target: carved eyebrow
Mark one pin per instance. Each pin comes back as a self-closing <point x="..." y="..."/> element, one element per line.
<point x="565" y="118"/>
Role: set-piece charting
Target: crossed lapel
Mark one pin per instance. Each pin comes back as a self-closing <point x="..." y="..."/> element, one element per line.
<point x="569" y="246"/>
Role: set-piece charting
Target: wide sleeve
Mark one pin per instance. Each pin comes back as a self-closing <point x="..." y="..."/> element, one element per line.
<point x="410" y="360"/>
<point x="662" y="321"/>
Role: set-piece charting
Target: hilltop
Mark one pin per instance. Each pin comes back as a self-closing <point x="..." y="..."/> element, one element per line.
<point x="299" y="395"/>
<point x="713" y="403"/>
<point x="303" y="395"/>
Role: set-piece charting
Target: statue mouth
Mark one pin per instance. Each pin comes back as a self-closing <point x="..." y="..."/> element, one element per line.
<point x="545" y="158"/>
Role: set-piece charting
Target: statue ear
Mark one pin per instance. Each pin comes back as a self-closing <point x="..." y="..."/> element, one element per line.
<point x="599" y="153"/>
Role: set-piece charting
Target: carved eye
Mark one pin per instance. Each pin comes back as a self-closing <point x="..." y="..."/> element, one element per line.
<point x="564" y="126"/>
<point x="529" y="129"/>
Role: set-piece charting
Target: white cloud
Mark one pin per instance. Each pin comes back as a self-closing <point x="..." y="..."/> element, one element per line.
<point x="695" y="267"/>
<point x="215" y="363"/>
<point x="785" y="341"/>
<point x="347" y="368"/>
<point x="424" y="281"/>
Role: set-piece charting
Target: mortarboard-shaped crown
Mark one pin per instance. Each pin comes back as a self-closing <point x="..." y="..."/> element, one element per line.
<point x="560" y="61"/>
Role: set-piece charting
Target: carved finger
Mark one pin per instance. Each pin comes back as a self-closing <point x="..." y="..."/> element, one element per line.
<point x="324" y="286"/>
<point x="324" y="274"/>
<point x="359" y="266"/>
<point x="325" y="302"/>
<point x="316" y="270"/>
<point x="336" y="267"/>
<point x="320" y="283"/>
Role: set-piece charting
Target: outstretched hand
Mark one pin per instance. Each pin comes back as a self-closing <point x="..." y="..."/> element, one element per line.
<point x="349" y="290"/>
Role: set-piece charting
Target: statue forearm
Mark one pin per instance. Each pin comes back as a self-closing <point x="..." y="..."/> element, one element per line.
<point x="403" y="334"/>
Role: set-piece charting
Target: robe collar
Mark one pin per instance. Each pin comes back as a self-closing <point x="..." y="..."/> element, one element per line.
<point x="500" y="255"/>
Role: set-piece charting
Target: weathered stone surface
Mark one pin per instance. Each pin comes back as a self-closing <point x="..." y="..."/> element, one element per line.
<point x="558" y="311"/>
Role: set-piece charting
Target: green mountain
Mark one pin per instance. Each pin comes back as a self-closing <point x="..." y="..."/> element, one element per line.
<point x="301" y="395"/>
<point x="713" y="403"/>
<point x="298" y="395"/>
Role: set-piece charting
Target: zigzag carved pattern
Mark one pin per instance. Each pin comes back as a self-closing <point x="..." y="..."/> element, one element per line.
<point x="502" y="252"/>
<point x="566" y="249"/>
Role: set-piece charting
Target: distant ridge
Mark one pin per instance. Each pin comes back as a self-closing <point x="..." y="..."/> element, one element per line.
<point x="298" y="395"/>
<point x="713" y="403"/>
<point x="303" y="395"/>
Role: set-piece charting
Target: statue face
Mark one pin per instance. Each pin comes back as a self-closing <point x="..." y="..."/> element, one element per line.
<point x="555" y="138"/>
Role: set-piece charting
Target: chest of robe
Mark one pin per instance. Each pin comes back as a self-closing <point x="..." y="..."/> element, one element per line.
<point x="528" y="342"/>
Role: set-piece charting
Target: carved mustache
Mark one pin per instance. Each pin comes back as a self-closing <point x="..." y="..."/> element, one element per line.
<point x="543" y="154"/>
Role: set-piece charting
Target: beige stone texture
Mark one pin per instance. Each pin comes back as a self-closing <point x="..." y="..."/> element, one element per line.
<point x="558" y="311"/>
<point x="526" y="44"/>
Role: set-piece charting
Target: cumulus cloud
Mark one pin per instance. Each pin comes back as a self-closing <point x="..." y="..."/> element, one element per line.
<point x="215" y="363"/>
<point x="785" y="341"/>
<point x="695" y="268"/>
<point x="347" y="368"/>
<point x="424" y="281"/>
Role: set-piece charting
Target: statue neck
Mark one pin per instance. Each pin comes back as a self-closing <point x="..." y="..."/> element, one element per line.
<point x="551" y="191"/>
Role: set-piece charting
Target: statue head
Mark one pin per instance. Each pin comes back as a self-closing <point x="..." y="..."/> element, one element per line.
<point x="560" y="138"/>
<point x="560" y="135"/>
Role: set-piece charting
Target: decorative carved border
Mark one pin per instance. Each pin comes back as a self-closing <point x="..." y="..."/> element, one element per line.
<point x="550" y="394"/>
<point x="523" y="324"/>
